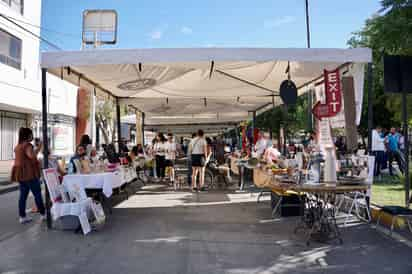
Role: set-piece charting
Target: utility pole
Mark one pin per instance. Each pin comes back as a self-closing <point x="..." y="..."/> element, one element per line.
<point x="310" y="120"/>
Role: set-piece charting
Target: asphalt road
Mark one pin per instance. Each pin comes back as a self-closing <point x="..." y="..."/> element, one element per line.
<point x="160" y="231"/>
<point x="10" y="225"/>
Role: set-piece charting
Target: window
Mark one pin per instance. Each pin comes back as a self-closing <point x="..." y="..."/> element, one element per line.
<point x="10" y="49"/>
<point x="16" y="5"/>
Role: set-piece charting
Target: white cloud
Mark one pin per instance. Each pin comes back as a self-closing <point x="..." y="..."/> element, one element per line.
<point x="186" y="30"/>
<point x="277" y="22"/>
<point x="156" y="34"/>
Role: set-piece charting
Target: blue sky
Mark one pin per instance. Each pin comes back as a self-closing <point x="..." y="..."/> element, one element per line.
<point x="217" y="23"/>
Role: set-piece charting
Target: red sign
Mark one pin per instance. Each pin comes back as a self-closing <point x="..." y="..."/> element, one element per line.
<point x="333" y="93"/>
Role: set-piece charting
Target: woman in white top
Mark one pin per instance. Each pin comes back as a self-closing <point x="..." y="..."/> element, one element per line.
<point x="160" y="153"/>
<point x="198" y="150"/>
<point x="171" y="156"/>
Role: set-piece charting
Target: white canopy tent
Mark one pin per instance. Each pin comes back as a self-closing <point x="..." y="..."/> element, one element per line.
<point x="178" y="87"/>
<point x="201" y="85"/>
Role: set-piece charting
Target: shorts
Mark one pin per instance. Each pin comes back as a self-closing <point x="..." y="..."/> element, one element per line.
<point x="169" y="162"/>
<point x="198" y="160"/>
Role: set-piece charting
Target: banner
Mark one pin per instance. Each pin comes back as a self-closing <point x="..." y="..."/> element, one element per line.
<point x="333" y="96"/>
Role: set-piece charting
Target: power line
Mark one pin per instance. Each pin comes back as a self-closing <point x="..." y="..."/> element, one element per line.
<point x="42" y="28"/>
<point x="32" y="33"/>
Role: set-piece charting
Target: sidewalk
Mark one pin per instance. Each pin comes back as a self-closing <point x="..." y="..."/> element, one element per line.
<point x="5" y="184"/>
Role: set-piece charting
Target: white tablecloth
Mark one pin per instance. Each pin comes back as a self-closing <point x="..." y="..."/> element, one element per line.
<point x="106" y="181"/>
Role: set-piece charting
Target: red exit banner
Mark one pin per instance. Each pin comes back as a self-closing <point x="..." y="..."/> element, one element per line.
<point x="333" y="94"/>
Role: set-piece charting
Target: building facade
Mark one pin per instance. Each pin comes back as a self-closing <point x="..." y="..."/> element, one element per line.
<point x="20" y="82"/>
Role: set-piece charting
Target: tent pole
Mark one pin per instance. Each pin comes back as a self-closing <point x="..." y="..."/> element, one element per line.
<point x="370" y="114"/>
<point x="406" y="142"/>
<point x="253" y="129"/>
<point x="143" y="117"/>
<point x="45" y="139"/>
<point x="119" y="128"/>
<point x="370" y="106"/>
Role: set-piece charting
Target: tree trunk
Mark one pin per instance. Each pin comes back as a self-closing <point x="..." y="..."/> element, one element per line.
<point x="103" y="129"/>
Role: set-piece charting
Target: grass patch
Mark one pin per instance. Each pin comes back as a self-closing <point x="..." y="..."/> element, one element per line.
<point x="389" y="190"/>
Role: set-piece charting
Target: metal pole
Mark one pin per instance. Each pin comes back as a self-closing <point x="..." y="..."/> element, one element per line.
<point x="119" y="127"/>
<point x="310" y="93"/>
<point x="370" y="114"/>
<point x="310" y="115"/>
<point x="307" y="23"/>
<point x="253" y="129"/>
<point x="406" y="141"/>
<point x="370" y="107"/>
<point x="45" y="139"/>
<point x="143" y="117"/>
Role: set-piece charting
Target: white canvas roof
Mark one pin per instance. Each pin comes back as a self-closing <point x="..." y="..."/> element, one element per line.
<point x="201" y="85"/>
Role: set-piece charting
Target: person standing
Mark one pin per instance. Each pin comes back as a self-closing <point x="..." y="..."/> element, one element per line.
<point x="261" y="145"/>
<point x="189" y="160"/>
<point x="392" y="141"/>
<point x="26" y="171"/>
<point x="160" y="152"/>
<point x="378" y="149"/>
<point x="198" y="150"/>
<point x="220" y="151"/>
<point x="171" y="150"/>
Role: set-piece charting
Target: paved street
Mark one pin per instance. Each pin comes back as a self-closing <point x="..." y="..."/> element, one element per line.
<point x="160" y="231"/>
<point x="10" y="226"/>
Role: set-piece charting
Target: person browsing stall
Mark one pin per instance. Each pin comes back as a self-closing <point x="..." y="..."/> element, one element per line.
<point x="160" y="152"/>
<point x="171" y="151"/>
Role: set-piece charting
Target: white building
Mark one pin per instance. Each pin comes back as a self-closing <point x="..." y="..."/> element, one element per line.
<point x="20" y="82"/>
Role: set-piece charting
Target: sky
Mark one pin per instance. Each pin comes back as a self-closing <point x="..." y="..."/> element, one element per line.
<point x="212" y="23"/>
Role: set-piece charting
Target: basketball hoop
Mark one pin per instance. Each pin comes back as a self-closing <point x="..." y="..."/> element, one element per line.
<point x="99" y="27"/>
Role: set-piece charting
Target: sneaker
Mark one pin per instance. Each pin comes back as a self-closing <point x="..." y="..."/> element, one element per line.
<point x="25" y="220"/>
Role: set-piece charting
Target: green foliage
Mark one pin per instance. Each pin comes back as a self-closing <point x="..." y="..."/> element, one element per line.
<point x="292" y="118"/>
<point x="389" y="32"/>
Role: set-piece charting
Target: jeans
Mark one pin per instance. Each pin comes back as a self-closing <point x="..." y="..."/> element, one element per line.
<point x="25" y="187"/>
<point x="379" y="158"/>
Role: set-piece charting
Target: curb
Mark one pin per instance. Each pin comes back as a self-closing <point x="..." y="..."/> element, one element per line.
<point x="7" y="189"/>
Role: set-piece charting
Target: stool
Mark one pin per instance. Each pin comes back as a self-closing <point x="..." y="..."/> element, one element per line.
<point x="397" y="212"/>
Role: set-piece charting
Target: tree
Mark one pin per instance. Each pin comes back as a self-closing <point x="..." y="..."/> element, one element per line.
<point x="293" y="118"/>
<point x="105" y="117"/>
<point x="390" y="32"/>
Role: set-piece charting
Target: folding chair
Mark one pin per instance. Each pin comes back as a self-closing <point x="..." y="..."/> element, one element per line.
<point x="62" y="200"/>
<point x="359" y="196"/>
